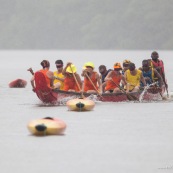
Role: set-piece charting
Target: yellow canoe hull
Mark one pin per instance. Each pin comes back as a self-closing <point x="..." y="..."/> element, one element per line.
<point x="46" y="126"/>
<point x="80" y="105"/>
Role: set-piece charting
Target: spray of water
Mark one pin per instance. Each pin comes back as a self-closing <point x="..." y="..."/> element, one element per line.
<point x="63" y="101"/>
<point x="145" y="90"/>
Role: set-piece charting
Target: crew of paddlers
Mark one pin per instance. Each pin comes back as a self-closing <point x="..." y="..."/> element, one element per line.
<point x="124" y="77"/>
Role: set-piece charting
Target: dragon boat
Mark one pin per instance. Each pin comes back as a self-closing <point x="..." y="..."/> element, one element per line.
<point x="53" y="96"/>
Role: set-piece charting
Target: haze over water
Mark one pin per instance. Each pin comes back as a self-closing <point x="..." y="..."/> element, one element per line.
<point x="114" y="137"/>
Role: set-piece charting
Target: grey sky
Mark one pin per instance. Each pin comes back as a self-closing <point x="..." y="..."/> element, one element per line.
<point x="92" y="24"/>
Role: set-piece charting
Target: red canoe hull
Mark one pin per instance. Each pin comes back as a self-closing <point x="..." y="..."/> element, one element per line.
<point x="47" y="95"/>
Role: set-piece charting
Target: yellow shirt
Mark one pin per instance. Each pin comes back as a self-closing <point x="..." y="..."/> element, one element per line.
<point x="60" y="75"/>
<point x="133" y="80"/>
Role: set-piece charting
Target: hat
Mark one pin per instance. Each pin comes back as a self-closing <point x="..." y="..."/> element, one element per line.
<point x="71" y="69"/>
<point x="89" y="64"/>
<point x="117" y="66"/>
<point x="126" y="61"/>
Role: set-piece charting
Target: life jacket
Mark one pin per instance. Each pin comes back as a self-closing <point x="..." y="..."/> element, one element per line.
<point x="159" y="63"/>
<point x="44" y="71"/>
<point x="103" y="76"/>
<point x="133" y="80"/>
<point x="149" y="74"/>
<point x="111" y="85"/>
<point x="88" y="85"/>
<point x="60" y="75"/>
<point x="70" y="83"/>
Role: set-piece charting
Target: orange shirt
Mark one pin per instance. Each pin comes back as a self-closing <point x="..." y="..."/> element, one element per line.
<point x="44" y="71"/>
<point x="88" y="85"/>
<point x="70" y="83"/>
<point x="110" y="85"/>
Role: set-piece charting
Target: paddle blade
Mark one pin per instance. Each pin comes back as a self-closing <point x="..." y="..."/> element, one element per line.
<point x="132" y="97"/>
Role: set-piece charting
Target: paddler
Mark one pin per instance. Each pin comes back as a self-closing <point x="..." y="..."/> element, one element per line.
<point x="133" y="77"/>
<point x="150" y="74"/>
<point x="47" y="73"/>
<point x="126" y="63"/>
<point x="59" y="77"/>
<point x="92" y="82"/>
<point x="113" y="79"/>
<point x="72" y="80"/>
<point x="159" y="66"/>
<point x="103" y="73"/>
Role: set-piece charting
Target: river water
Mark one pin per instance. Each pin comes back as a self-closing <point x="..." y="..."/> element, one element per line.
<point x="124" y="137"/>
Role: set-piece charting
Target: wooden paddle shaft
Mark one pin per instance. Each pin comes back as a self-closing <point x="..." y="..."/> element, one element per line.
<point x="93" y="84"/>
<point x="75" y="79"/>
<point x="123" y="90"/>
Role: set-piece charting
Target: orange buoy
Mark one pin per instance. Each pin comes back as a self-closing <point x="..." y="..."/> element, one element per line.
<point x="18" y="83"/>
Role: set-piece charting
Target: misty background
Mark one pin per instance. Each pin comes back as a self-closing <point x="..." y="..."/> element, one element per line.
<point x="89" y="24"/>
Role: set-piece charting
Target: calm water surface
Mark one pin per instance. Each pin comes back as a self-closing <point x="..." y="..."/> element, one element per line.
<point x="114" y="137"/>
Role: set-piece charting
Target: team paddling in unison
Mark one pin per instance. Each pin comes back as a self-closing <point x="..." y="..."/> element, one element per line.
<point x="126" y="79"/>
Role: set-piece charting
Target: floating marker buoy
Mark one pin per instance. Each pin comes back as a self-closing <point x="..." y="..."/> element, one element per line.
<point x="47" y="126"/>
<point x="80" y="104"/>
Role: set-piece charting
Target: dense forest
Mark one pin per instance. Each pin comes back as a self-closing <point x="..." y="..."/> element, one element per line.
<point x="90" y="24"/>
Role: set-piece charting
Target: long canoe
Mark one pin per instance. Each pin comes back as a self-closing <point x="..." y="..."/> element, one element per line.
<point x="53" y="96"/>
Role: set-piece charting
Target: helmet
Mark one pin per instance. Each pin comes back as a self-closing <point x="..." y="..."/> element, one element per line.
<point x="71" y="69"/>
<point x="90" y="64"/>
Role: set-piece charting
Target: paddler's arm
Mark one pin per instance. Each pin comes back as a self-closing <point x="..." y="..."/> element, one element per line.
<point x="126" y="84"/>
<point x="59" y="78"/>
<point x="31" y="71"/>
<point x="108" y="77"/>
<point x="64" y="70"/>
<point x="160" y="80"/>
<point x="123" y="81"/>
<point x="84" y="72"/>
<point x="143" y="80"/>
<point x="164" y="80"/>
<point x="32" y="84"/>
<point x="99" y="83"/>
<point x="51" y="77"/>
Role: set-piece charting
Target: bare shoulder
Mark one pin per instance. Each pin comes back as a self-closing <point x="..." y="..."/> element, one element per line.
<point x="97" y="75"/>
<point x="50" y="74"/>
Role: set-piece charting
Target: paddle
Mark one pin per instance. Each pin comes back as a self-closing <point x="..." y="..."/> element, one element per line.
<point x="93" y="85"/>
<point x="166" y="86"/>
<point x="77" y="82"/>
<point x="130" y="97"/>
